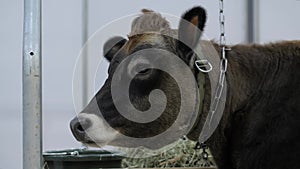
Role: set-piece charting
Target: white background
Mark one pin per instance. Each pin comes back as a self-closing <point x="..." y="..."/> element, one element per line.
<point x="279" y="20"/>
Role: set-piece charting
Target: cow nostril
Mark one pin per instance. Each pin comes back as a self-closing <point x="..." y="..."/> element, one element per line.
<point x="80" y="128"/>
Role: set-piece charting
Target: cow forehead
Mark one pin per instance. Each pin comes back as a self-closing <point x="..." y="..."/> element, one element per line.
<point x="146" y="41"/>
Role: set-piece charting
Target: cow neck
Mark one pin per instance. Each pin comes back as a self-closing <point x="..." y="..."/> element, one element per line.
<point x="201" y="83"/>
<point x="200" y="78"/>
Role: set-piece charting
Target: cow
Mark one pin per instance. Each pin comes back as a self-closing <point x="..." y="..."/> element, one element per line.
<point x="260" y="125"/>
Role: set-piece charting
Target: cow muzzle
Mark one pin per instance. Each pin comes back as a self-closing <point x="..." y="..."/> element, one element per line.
<point x="79" y="127"/>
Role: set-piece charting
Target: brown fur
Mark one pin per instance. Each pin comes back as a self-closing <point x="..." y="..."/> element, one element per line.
<point x="258" y="76"/>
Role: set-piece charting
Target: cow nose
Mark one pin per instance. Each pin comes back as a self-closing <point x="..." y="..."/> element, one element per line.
<point x="78" y="128"/>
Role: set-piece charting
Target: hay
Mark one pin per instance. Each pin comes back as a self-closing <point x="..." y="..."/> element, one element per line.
<point x="182" y="154"/>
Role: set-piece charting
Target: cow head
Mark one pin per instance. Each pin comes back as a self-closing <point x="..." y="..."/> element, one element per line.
<point x="101" y="122"/>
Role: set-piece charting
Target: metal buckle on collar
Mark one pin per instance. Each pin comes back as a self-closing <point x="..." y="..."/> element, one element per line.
<point x="203" y="65"/>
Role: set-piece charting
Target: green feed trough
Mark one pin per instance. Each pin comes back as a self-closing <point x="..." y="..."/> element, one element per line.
<point x="81" y="159"/>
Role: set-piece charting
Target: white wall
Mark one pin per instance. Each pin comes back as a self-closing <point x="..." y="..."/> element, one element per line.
<point x="279" y="20"/>
<point x="61" y="46"/>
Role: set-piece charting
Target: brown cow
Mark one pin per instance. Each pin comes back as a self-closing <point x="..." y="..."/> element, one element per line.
<point x="261" y="121"/>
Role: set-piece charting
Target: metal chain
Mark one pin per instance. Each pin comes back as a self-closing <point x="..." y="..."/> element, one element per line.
<point x="222" y="23"/>
<point x="223" y="64"/>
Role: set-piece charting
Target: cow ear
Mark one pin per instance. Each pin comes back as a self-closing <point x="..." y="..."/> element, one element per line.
<point x="112" y="46"/>
<point x="190" y="28"/>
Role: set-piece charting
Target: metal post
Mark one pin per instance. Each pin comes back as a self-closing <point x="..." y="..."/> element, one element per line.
<point x="252" y="21"/>
<point x="32" y="108"/>
<point x="256" y="20"/>
<point x="84" y="22"/>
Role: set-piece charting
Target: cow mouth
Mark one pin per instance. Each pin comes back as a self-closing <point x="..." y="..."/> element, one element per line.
<point x="91" y="144"/>
<point x="85" y="140"/>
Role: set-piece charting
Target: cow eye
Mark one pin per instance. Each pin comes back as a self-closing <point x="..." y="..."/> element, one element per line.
<point x="142" y="69"/>
<point x="145" y="71"/>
